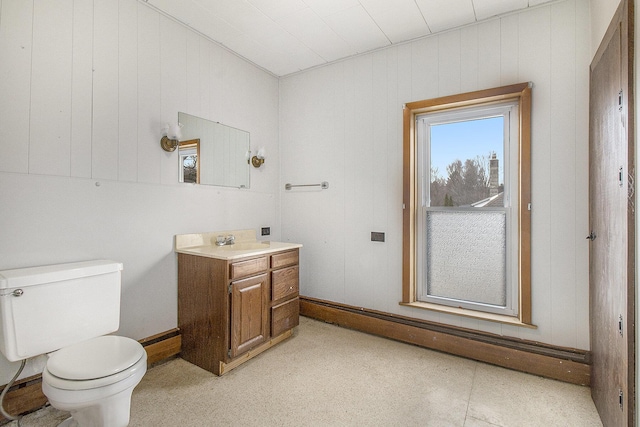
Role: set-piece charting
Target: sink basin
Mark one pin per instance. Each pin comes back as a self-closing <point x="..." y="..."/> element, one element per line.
<point x="246" y="246"/>
<point x="203" y="244"/>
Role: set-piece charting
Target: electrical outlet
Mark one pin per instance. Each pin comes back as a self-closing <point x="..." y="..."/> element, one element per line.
<point x="377" y="236"/>
<point x="266" y="231"/>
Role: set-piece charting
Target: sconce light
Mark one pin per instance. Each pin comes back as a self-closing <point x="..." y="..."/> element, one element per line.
<point x="170" y="137"/>
<point x="258" y="159"/>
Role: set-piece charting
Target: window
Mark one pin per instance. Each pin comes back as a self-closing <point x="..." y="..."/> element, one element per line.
<point x="189" y="152"/>
<point x="467" y="204"/>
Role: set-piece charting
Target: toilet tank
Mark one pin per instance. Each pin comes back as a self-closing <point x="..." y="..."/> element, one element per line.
<point x="46" y="308"/>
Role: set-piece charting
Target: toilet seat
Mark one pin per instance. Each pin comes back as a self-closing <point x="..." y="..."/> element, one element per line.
<point x="94" y="363"/>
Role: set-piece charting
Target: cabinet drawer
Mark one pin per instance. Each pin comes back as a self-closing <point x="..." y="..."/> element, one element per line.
<point x="248" y="267"/>
<point x="284" y="259"/>
<point x="284" y="283"/>
<point x="285" y="316"/>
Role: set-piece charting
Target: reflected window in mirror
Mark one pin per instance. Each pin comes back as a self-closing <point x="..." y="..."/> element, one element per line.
<point x="189" y="153"/>
<point x="223" y="152"/>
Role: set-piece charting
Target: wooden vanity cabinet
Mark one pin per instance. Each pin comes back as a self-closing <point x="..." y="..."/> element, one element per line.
<point x="232" y="310"/>
<point x="285" y="304"/>
<point x="249" y="319"/>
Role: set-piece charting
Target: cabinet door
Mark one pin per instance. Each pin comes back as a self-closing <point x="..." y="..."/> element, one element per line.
<point x="249" y="313"/>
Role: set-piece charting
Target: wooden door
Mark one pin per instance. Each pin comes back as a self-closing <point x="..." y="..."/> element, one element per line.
<point x="249" y="313"/>
<point x="611" y="217"/>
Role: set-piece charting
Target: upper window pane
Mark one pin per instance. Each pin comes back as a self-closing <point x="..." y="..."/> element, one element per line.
<point x="465" y="162"/>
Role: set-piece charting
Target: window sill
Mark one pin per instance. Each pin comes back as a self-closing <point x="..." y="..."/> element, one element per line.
<point x="508" y="320"/>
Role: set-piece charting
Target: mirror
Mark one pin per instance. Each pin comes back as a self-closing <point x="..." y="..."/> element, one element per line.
<point x="212" y="153"/>
<point x="189" y="152"/>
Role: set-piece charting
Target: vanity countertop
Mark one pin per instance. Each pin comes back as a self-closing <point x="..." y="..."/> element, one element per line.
<point x="246" y="244"/>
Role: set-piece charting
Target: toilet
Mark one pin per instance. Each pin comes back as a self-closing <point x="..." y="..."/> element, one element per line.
<point x="66" y="312"/>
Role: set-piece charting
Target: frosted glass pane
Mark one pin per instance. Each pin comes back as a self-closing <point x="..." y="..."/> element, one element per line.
<point x="466" y="256"/>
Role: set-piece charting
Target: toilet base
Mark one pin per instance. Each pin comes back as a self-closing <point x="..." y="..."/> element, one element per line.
<point x="108" y="406"/>
<point x="113" y="411"/>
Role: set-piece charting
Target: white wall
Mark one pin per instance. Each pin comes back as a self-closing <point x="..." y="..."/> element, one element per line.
<point x="86" y="86"/>
<point x="343" y="123"/>
<point x="601" y="13"/>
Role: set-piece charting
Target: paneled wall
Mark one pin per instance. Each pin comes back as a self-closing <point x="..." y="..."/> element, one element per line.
<point x="601" y="13"/>
<point x="342" y="123"/>
<point x="85" y="88"/>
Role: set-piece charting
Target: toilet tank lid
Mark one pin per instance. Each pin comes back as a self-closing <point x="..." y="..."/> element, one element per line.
<point x="30" y="276"/>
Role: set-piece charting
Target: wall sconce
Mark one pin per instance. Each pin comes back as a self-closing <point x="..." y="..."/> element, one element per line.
<point x="170" y="137"/>
<point x="258" y="159"/>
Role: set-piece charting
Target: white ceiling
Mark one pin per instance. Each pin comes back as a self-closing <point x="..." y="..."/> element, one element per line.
<point x="286" y="36"/>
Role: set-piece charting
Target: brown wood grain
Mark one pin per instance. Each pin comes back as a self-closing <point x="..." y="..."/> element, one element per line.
<point x="249" y="313"/>
<point x="612" y="220"/>
<point x="284" y="283"/>
<point x="247" y="268"/>
<point x="285" y="316"/>
<point x="284" y="259"/>
<point x="204" y="342"/>
<point x="224" y="307"/>
<point x="164" y="349"/>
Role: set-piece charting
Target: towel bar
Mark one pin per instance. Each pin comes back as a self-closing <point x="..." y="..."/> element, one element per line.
<point x="324" y="185"/>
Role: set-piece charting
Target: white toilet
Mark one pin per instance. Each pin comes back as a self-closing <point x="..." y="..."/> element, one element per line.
<point x="67" y="309"/>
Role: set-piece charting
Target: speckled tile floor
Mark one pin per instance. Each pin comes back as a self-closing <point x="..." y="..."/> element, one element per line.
<point x="329" y="376"/>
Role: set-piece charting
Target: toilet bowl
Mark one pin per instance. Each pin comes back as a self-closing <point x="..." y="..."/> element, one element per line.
<point x="66" y="311"/>
<point x="94" y="379"/>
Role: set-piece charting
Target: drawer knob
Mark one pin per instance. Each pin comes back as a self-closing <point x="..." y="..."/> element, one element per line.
<point x="290" y="288"/>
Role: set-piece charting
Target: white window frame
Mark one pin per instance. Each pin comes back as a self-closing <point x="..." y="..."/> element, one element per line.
<point x="509" y="112"/>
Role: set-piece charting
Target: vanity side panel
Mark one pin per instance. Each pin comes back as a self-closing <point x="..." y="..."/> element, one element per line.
<point x="203" y="309"/>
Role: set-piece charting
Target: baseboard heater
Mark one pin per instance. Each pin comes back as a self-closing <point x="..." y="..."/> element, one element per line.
<point x="26" y="394"/>
<point x="559" y="363"/>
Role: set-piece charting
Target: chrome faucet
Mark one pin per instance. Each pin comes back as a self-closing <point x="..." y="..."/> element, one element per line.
<point x="225" y="240"/>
